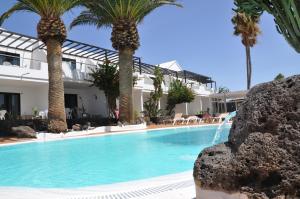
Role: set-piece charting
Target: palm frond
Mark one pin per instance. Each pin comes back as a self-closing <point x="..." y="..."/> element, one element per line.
<point x="110" y="11"/>
<point x="15" y="8"/>
<point x="44" y="8"/>
<point x="88" y="18"/>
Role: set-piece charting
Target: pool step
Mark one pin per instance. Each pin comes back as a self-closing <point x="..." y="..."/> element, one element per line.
<point x="141" y="193"/>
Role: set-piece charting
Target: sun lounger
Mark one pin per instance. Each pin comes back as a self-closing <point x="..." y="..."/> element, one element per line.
<point x="43" y="114"/>
<point x="177" y="118"/>
<point x="193" y="119"/>
<point x="220" y="118"/>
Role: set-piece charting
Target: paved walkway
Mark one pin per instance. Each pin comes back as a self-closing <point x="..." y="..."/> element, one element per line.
<point x="177" y="186"/>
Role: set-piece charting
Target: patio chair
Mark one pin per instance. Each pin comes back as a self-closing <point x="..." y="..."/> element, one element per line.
<point x="2" y="114"/>
<point x="220" y="118"/>
<point x="193" y="119"/>
<point x="177" y="118"/>
<point x="43" y="114"/>
<point x="68" y="113"/>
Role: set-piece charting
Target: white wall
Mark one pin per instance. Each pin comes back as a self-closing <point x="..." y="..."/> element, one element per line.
<point x="92" y="99"/>
<point x="30" y="97"/>
<point x="206" y="104"/>
<point x="163" y="102"/>
<point x="200" y="103"/>
<point x="180" y="108"/>
<point x="137" y="101"/>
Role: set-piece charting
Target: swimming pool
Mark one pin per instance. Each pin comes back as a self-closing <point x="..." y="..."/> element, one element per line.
<point x="92" y="161"/>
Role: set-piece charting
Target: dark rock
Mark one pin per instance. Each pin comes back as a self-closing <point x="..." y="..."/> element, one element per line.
<point x="262" y="156"/>
<point x="76" y="127"/>
<point x="23" y="132"/>
<point x="86" y="126"/>
<point x="119" y="123"/>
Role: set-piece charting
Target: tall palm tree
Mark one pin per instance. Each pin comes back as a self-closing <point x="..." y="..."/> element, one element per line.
<point x="286" y="16"/>
<point x="247" y="27"/>
<point x="123" y="16"/>
<point x="52" y="31"/>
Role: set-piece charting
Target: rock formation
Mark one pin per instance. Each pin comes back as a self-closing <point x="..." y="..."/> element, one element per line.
<point x="24" y="132"/>
<point x="262" y="155"/>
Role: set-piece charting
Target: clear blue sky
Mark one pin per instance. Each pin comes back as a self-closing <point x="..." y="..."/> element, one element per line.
<point x="199" y="36"/>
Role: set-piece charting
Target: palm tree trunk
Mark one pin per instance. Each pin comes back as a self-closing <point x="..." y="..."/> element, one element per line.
<point x="56" y="113"/>
<point x="125" y="72"/>
<point x="249" y="67"/>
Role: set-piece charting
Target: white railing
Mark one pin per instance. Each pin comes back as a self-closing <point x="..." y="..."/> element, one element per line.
<point x="37" y="69"/>
<point x="146" y="83"/>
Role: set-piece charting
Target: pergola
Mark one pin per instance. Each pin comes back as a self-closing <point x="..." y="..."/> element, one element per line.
<point x="223" y="98"/>
<point x="18" y="41"/>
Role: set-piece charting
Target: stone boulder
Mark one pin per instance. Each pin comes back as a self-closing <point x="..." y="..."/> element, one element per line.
<point x="23" y="132"/>
<point x="76" y="127"/>
<point x="262" y="157"/>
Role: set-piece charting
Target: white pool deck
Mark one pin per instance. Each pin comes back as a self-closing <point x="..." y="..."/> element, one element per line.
<point x="175" y="186"/>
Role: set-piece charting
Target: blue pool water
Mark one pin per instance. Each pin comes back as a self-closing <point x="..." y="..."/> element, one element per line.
<point x="104" y="160"/>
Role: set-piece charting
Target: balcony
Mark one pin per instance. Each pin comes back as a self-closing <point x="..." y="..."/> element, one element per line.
<point x="146" y="83"/>
<point x="14" y="67"/>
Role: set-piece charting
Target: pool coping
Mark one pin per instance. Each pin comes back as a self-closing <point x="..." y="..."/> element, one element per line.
<point x="132" y="189"/>
<point x="104" y="134"/>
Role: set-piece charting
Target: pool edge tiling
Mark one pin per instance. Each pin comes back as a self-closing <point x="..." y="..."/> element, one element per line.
<point x="174" y="185"/>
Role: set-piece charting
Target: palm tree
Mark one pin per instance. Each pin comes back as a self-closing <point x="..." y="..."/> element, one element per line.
<point x="286" y="16"/>
<point x="123" y="16"/>
<point x="52" y="31"/>
<point x="246" y="26"/>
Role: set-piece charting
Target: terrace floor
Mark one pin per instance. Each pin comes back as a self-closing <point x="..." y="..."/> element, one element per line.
<point x="9" y="140"/>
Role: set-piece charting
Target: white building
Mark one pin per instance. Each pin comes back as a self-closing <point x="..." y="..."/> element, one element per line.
<point x="24" y="78"/>
<point x="227" y="102"/>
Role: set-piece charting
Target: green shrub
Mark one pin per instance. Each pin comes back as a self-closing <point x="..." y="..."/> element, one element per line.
<point x="178" y="93"/>
<point x="151" y="105"/>
<point x="106" y="77"/>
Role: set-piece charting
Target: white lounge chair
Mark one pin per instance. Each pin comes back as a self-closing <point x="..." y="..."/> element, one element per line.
<point x="43" y="114"/>
<point x="177" y="118"/>
<point x="220" y="118"/>
<point x="193" y="119"/>
<point x="2" y="114"/>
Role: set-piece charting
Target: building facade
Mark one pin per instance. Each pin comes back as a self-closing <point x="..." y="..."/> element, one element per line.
<point x="24" y="78"/>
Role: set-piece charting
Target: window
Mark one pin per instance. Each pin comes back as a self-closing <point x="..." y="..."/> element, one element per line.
<point x="70" y="62"/>
<point x="10" y="102"/>
<point x="8" y="59"/>
<point x="71" y="101"/>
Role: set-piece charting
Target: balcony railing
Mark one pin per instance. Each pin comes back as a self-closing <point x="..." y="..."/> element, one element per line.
<point x="29" y="44"/>
<point x="37" y="69"/>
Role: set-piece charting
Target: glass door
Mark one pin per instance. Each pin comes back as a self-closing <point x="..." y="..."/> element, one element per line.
<point x="11" y="103"/>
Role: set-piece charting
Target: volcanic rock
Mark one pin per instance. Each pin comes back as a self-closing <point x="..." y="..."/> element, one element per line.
<point x="262" y="155"/>
<point x="23" y="132"/>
